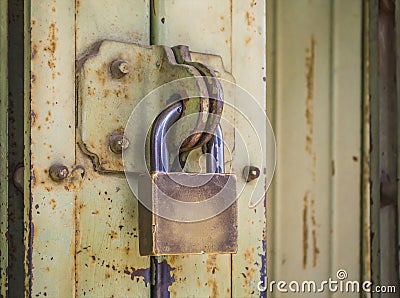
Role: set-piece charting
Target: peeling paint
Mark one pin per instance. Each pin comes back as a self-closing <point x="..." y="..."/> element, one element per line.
<point x="305" y="230"/>
<point x="309" y="217"/>
<point x="163" y="278"/>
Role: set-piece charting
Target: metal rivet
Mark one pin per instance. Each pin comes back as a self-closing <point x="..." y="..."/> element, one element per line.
<point x="118" y="143"/>
<point x="58" y="172"/>
<point x="18" y="178"/>
<point x="119" y="68"/>
<point x="251" y="173"/>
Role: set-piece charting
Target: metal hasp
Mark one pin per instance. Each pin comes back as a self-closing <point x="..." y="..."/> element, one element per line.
<point x="114" y="77"/>
<point x="163" y="192"/>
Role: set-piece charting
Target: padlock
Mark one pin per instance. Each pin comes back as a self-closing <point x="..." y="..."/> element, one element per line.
<point x="186" y="213"/>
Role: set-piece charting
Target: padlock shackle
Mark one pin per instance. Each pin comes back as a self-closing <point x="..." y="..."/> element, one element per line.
<point x="159" y="157"/>
<point x="215" y="149"/>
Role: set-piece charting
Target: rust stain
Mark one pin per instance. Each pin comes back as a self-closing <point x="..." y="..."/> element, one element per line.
<point x="309" y="204"/>
<point x="310" y="64"/>
<point x="52" y="45"/>
<point x="95" y="212"/>
<point x="222" y="29"/>
<point x="33" y="79"/>
<point x="305" y="230"/>
<point x="101" y="76"/>
<point x="211" y="263"/>
<point x="333" y="168"/>
<point x="34" y="50"/>
<point x="53" y="204"/>
<point x="91" y="91"/>
<point x="113" y="235"/>
<point x="315" y="250"/>
<point x="248" y="40"/>
<point x="212" y="283"/>
<point x="250" y="19"/>
<point x="309" y="115"/>
<point x="253" y="3"/>
<point x="33" y="117"/>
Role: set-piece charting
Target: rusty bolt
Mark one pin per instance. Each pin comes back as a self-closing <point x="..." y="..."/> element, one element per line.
<point x="58" y="172"/>
<point x="118" y="143"/>
<point x="119" y="68"/>
<point x="251" y="173"/>
<point x="19" y="178"/>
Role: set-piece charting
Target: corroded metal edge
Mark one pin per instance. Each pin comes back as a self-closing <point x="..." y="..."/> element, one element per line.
<point x="3" y="148"/>
<point x="28" y="228"/>
<point x="374" y="142"/>
<point x="366" y="168"/>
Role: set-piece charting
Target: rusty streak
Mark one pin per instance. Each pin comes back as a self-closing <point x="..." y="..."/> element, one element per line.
<point x="310" y="62"/>
<point x="314" y="234"/>
<point x="305" y="230"/>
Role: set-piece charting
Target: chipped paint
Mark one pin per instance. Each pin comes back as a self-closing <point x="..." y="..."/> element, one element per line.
<point x="305" y="230"/>
<point x="309" y="219"/>
<point x="308" y="199"/>
<point x="163" y="278"/>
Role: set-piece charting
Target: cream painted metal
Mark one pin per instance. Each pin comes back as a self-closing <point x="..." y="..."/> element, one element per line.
<point x="107" y="251"/>
<point x="315" y="100"/>
<point x="53" y="141"/>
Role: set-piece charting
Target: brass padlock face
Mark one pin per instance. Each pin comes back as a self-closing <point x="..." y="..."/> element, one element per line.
<point x="172" y="194"/>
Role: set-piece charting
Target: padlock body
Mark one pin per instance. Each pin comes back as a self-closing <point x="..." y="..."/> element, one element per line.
<point x="175" y="199"/>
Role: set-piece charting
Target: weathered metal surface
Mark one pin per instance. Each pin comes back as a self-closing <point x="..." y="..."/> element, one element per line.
<point x="107" y="260"/>
<point x="114" y="99"/>
<point x="199" y="275"/>
<point x="3" y="149"/>
<point x="249" y="70"/>
<point x="27" y="260"/>
<point x="52" y="214"/>
<point x="315" y="77"/>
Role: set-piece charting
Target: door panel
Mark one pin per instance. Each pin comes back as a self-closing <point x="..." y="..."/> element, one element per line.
<point x="316" y="89"/>
<point x="107" y="250"/>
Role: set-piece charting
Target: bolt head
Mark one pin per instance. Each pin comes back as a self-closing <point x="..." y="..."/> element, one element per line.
<point x="58" y="172"/>
<point x="118" y="143"/>
<point x="119" y="68"/>
<point x="251" y="173"/>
